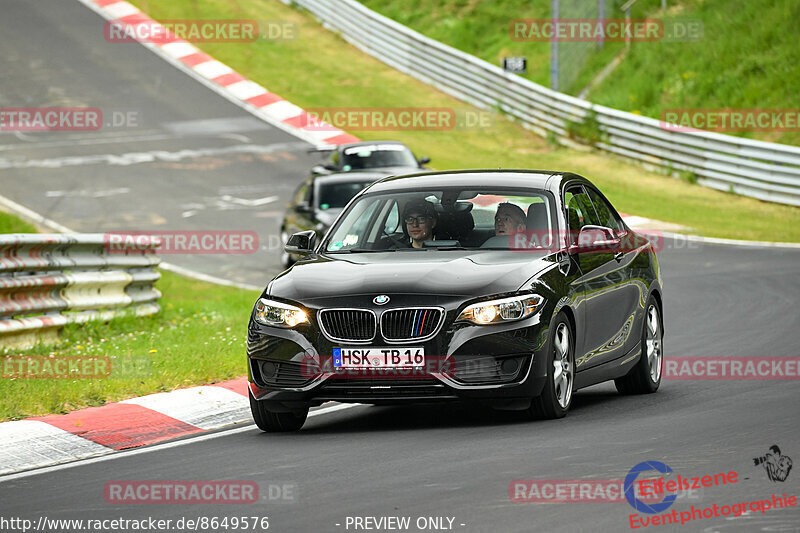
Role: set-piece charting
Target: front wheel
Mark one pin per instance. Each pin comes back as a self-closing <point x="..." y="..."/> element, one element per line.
<point x="273" y="421"/>
<point x="556" y="396"/>
<point x="645" y="377"/>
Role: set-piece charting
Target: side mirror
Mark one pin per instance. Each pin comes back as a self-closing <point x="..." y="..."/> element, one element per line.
<point x="424" y="160"/>
<point x="596" y="239"/>
<point x="301" y="243"/>
<point x="322" y="169"/>
<point x="302" y="207"/>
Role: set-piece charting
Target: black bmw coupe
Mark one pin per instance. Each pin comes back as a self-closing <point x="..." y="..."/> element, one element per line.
<point x="510" y="287"/>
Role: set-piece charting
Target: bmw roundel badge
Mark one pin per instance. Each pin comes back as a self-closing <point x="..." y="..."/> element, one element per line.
<point x="381" y="299"/>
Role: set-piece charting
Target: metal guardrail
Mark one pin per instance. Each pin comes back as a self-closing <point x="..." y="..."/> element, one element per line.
<point x="762" y="170"/>
<point x="47" y="281"/>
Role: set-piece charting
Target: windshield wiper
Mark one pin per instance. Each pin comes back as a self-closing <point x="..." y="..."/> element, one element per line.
<point x="362" y="250"/>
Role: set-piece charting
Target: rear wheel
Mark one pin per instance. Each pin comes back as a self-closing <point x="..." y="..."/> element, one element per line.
<point x="645" y="377"/>
<point x="273" y="421"/>
<point x="556" y="397"/>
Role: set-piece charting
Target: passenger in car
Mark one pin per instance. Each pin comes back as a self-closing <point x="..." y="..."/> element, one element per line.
<point x="509" y="219"/>
<point x="419" y="220"/>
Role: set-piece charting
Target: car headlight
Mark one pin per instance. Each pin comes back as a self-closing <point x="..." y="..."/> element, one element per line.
<point x="503" y="310"/>
<point x="272" y="313"/>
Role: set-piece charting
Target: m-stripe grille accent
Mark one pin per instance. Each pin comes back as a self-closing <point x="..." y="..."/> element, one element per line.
<point x="410" y="324"/>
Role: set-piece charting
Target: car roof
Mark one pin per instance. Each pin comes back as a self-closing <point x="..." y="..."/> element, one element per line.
<point x="523" y="178"/>
<point x="342" y="147"/>
<point x="352" y="176"/>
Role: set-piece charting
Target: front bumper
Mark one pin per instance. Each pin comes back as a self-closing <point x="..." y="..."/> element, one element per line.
<point x="503" y="365"/>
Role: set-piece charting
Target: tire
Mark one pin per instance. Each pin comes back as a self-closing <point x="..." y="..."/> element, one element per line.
<point x="556" y="396"/>
<point x="645" y="377"/>
<point x="275" y="422"/>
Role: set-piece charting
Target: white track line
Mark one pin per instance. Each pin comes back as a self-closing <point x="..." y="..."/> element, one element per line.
<point x="220" y="90"/>
<point x="114" y="454"/>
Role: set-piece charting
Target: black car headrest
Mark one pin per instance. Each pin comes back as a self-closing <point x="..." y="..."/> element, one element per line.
<point x="537" y="217"/>
<point x="455" y="221"/>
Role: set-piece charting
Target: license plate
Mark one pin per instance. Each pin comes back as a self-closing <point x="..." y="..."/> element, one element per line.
<point x="372" y="357"/>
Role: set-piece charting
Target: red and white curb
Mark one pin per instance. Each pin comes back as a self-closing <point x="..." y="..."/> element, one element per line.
<point x="54" y="439"/>
<point x="218" y="76"/>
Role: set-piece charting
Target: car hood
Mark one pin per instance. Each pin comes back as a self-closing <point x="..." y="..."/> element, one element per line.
<point x="450" y="273"/>
<point x="328" y="216"/>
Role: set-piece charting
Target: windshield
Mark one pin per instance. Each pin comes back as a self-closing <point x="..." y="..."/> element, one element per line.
<point x="336" y="195"/>
<point x="377" y="156"/>
<point x="445" y="219"/>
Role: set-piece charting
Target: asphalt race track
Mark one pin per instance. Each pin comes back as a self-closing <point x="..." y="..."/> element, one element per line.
<point x="216" y="167"/>
<point x="452" y="461"/>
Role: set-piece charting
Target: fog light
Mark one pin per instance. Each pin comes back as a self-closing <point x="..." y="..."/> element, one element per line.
<point x="510" y="366"/>
<point x="269" y="369"/>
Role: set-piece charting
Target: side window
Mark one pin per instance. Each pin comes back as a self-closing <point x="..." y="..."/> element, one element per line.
<point x="351" y="232"/>
<point x="387" y="213"/>
<point x="580" y="212"/>
<point x="392" y="224"/>
<point x="604" y="211"/>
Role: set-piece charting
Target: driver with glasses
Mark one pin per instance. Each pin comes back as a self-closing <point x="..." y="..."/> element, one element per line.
<point x="419" y="220"/>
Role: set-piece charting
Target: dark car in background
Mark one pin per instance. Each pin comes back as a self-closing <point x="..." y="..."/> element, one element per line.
<point x="317" y="202"/>
<point x="516" y="319"/>
<point x="392" y="157"/>
<point x="320" y="198"/>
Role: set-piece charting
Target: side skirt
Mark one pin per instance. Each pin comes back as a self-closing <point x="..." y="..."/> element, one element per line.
<point x="610" y="370"/>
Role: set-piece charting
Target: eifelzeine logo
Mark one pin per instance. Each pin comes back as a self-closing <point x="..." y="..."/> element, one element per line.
<point x="776" y="464"/>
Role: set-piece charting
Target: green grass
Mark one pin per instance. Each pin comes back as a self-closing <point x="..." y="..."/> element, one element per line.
<point x="747" y="59"/>
<point x="13" y="224"/>
<point x="319" y="69"/>
<point x="197" y="338"/>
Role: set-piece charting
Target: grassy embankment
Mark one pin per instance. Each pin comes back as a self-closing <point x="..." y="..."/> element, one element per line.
<point x="197" y="338"/>
<point x="746" y="58"/>
<point x="319" y="69"/>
